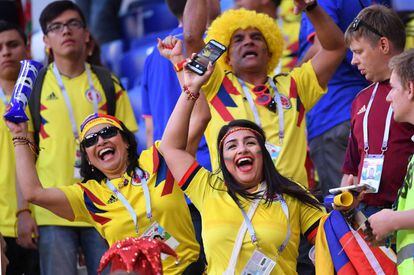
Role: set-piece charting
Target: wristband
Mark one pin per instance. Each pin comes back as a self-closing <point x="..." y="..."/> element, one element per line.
<point x="190" y="95"/>
<point x="178" y="67"/>
<point x="311" y="6"/>
<point x="23" y="210"/>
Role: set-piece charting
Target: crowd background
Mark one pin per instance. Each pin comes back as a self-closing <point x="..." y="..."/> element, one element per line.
<point x="125" y="33"/>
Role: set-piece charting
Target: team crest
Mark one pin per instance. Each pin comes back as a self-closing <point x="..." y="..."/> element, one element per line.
<point x="91" y="94"/>
<point x="285" y="102"/>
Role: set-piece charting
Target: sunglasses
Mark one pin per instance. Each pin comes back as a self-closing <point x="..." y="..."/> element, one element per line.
<point x="263" y="97"/>
<point x="358" y="23"/>
<point x="105" y="133"/>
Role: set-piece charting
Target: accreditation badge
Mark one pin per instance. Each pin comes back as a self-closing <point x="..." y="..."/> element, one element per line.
<point x="371" y="172"/>
<point x="156" y="231"/>
<point x="259" y="263"/>
<point x="77" y="165"/>
<point x="273" y="150"/>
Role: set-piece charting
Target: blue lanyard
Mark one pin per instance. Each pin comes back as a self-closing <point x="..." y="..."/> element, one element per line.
<point x="125" y="202"/>
<point x="3" y="97"/>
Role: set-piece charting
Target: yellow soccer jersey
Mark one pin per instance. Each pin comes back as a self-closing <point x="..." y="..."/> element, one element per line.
<point x="55" y="163"/>
<point x="95" y="203"/>
<point x="289" y="24"/>
<point x="8" y="197"/>
<point x="221" y="221"/>
<point x="299" y="90"/>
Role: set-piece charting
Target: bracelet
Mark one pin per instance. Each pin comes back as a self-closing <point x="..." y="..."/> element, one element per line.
<point x="20" y="140"/>
<point x="178" y="67"/>
<point x="311" y="6"/>
<point x="190" y="95"/>
<point x="23" y="210"/>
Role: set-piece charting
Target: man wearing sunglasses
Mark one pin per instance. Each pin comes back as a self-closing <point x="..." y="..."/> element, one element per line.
<point x="71" y="90"/>
<point x="376" y="139"/>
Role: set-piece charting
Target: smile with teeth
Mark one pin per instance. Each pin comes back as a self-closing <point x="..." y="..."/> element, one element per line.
<point x="244" y="161"/>
<point x="248" y="54"/>
<point x="105" y="152"/>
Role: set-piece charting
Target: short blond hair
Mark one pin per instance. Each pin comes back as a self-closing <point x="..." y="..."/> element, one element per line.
<point x="225" y="25"/>
<point x="403" y="66"/>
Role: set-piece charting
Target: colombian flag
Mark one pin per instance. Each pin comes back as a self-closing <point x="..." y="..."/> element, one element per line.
<point x="341" y="249"/>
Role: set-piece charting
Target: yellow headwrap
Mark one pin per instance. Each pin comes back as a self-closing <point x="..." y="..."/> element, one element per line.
<point x="226" y="24"/>
<point x="96" y="119"/>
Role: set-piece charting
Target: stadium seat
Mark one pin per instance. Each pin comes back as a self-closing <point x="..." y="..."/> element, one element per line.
<point x="145" y="17"/>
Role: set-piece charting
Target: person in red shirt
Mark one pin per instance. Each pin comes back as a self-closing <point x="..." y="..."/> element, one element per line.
<point x="376" y="139"/>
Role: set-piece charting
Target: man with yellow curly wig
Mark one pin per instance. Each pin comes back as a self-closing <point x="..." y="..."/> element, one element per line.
<point x="242" y="85"/>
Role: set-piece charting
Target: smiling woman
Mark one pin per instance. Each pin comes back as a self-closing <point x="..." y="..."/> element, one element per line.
<point x="122" y="194"/>
<point x="249" y="196"/>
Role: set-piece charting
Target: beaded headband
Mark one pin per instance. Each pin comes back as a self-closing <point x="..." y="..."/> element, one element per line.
<point x="236" y="129"/>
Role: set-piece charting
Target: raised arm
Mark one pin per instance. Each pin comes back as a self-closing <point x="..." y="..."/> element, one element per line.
<point x="174" y="142"/>
<point x="32" y="191"/>
<point x="194" y="25"/>
<point x="332" y="46"/>
<point x="171" y="48"/>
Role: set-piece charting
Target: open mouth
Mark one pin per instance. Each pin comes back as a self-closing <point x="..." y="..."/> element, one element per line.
<point x="250" y="54"/>
<point x="106" y="153"/>
<point x="245" y="164"/>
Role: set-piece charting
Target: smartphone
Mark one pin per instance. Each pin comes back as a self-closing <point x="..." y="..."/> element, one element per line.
<point x="210" y="53"/>
<point x="357" y="188"/>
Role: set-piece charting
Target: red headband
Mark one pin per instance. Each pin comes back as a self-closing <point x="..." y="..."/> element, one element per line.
<point x="236" y="129"/>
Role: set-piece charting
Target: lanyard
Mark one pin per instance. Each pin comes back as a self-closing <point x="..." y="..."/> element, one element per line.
<point x="248" y="226"/>
<point x="67" y="100"/>
<point x="384" y="145"/>
<point x="3" y="97"/>
<point x="125" y="202"/>
<point x="277" y="98"/>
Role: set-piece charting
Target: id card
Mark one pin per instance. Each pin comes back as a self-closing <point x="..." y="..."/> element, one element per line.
<point x="77" y="165"/>
<point x="273" y="150"/>
<point x="371" y="172"/>
<point x="156" y="231"/>
<point x="259" y="263"/>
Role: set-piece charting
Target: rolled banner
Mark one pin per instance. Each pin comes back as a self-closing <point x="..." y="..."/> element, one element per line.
<point x="22" y="90"/>
<point x="345" y="199"/>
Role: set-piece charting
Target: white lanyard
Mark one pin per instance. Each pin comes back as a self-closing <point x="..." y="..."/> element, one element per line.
<point x="384" y="145"/>
<point x="125" y="202"/>
<point x="3" y="97"/>
<point x="247" y="225"/>
<point x="67" y="100"/>
<point x="276" y="98"/>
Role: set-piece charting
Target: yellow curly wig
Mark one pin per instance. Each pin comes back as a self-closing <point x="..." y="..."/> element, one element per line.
<point x="227" y="23"/>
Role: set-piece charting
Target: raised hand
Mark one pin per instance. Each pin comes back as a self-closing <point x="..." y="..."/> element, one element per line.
<point x="300" y="5"/>
<point x="171" y="48"/>
<point x="194" y="81"/>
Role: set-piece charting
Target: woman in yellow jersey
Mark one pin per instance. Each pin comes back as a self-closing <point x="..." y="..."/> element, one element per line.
<point x="122" y="194"/>
<point x="252" y="216"/>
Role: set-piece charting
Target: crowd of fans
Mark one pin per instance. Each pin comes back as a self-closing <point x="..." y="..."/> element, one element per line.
<point x="309" y="96"/>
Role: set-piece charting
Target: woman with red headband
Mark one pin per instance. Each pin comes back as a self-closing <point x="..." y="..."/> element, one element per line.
<point x="249" y="196"/>
<point x="122" y="194"/>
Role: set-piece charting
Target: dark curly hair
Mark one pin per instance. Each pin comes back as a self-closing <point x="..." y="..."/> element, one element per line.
<point x="275" y="182"/>
<point x="89" y="172"/>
